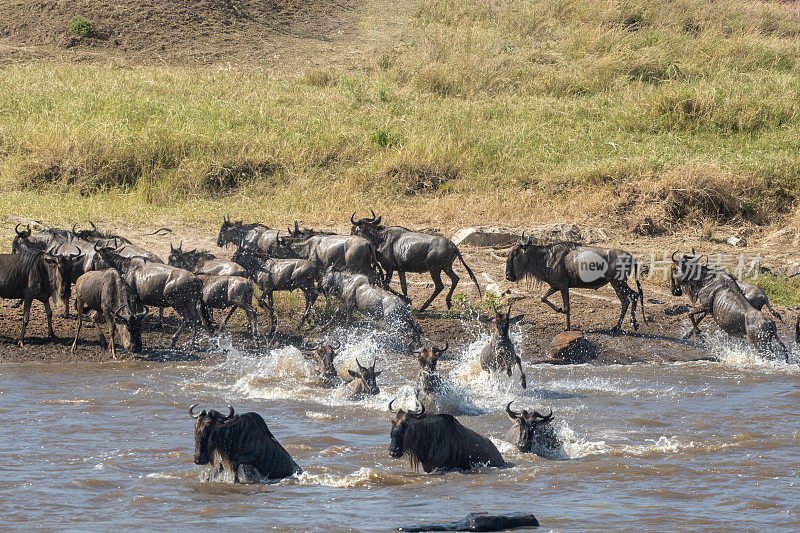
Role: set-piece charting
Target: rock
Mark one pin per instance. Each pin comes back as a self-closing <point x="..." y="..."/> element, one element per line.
<point x="739" y="242"/>
<point x="549" y="233"/>
<point x="480" y="522"/>
<point x="571" y="347"/>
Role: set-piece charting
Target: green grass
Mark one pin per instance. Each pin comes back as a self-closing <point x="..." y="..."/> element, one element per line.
<point x="779" y="289"/>
<point x="534" y="111"/>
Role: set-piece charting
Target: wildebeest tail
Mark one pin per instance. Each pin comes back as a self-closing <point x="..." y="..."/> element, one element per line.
<point x="639" y="287"/>
<point x="469" y="270"/>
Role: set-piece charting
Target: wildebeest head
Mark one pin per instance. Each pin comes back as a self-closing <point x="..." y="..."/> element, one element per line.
<point x="324" y="354"/>
<point x="228" y="231"/>
<point x="532" y="428"/>
<point x="685" y="272"/>
<point x="429" y="379"/>
<point x="399" y="426"/>
<point x="21" y="241"/>
<point x="132" y="333"/>
<point x="63" y="265"/>
<point x="517" y="264"/>
<point x="365" y="227"/>
<point x="366" y="379"/>
<point x="205" y="426"/>
<point x="502" y="321"/>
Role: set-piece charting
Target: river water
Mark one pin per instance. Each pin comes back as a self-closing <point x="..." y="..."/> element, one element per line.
<point x="704" y="445"/>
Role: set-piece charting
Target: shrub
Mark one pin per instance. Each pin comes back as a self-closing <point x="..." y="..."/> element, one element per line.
<point x="81" y="26"/>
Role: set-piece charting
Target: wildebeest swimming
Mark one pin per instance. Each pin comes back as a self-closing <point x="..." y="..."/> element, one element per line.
<point x="109" y="296"/>
<point x="231" y="441"/>
<point x="568" y="265"/>
<point x="365" y="381"/>
<point x="428" y="379"/>
<point x="324" y="354"/>
<point x="499" y="354"/>
<point x="34" y="275"/>
<point x="404" y="250"/>
<point x="720" y="296"/>
<point x="439" y="442"/>
<point x="532" y="432"/>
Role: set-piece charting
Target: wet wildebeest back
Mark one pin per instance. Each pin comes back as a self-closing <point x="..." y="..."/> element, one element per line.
<point x="757" y="297"/>
<point x="533" y="433"/>
<point x="324" y="354"/>
<point x="228" y="442"/>
<point x="365" y="381"/>
<point x="231" y="292"/>
<point x="439" y="442"/>
<point x="404" y="250"/>
<point x="33" y="275"/>
<point x="720" y="296"/>
<point x="428" y="379"/>
<point x="201" y="262"/>
<point x="279" y="275"/>
<point x="358" y="294"/>
<point x="499" y="354"/>
<point x="568" y="265"/>
<point x="348" y="253"/>
<point x="106" y="293"/>
<point x="160" y="285"/>
<point x="255" y="237"/>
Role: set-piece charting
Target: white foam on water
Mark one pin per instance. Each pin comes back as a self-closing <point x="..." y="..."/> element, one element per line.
<point x="363" y="477"/>
<point x="740" y="353"/>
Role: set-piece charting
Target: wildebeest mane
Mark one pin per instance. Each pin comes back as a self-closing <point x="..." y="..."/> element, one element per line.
<point x="536" y="264"/>
<point x="243" y="435"/>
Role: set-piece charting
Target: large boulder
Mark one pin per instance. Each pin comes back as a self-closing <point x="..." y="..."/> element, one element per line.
<point x="571" y="347"/>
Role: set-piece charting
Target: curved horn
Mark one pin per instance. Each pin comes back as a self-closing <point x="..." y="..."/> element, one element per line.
<point x="75" y="228"/>
<point x="94" y="228"/>
<point x="359" y="365"/>
<point x="230" y="414"/>
<point x="390" y="405"/>
<point x="511" y="414"/>
<point x="442" y="350"/>
<point x="73" y="257"/>
<point x="338" y="344"/>
<point x="191" y="411"/>
<point x="418" y="350"/>
<point x="353" y="219"/>
<point x="143" y="313"/>
<point x="16" y="228"/>
<point x="673" y="256"/>
<point x="373" y="215"/>
<point x="420" y="412"/>
<point x="377" y="221"/>
<point x="543" y="418"/>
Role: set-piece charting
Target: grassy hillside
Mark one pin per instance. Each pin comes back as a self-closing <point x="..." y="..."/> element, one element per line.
<point x="653" y="114"/>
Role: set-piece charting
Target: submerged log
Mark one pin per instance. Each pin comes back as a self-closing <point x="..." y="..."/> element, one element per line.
<point x="480" y="522"/>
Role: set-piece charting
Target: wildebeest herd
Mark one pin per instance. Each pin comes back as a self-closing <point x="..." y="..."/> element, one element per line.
<point x="121" y="283"/>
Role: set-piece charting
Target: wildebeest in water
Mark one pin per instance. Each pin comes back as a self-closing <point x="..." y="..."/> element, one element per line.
<point x="499" y="354"/>
<point x="439" y="442"/>
<point x="324" y="354"/>
<point x="231" y="441"/>
<point x="720" y="296"/>
<point x="533" y="433"/>
<point x="568" y="265"/>
<point x="365" y="381"/>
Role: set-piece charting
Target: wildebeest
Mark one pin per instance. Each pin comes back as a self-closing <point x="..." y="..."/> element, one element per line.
<point x="721" y="297"/>
<point x="279" y="275"/>
<point x="349" y="253"/>
<point x="106" y="293"/>
<point x="567" y="265"/>
<point x="358" y="294"/>
<point x="403" y="250"/>
<point x="255" y="237"/>
<point x="201" y="262"/>
<point x="160" y="285"/>
<point x="34" y="275"/>
<point x="757" y="297"/>
<point x="365" y="381"/>
<point x="532" y="432"/>
<point x="439" y="442"/>
<point x="499" y="354"/>
<point x="324" y="354"/>
<point x="228" y="442"/>
<point x="231" y="292"/>
<point x="428" y="380"/>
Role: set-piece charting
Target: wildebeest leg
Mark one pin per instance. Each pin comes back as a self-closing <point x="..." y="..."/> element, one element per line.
<point x="26" y="315"/>
<point x="401" y="275"/>
<point x="565" y="301"/>
<point x="624" y="303"/>
<point x="387" y="278"/>
<point x="311" y="297"/>
<point x="522" y="381"/>
<point x="228" y="317"/>
<point x="96" y="320"/>
<point x="177" y="334"/>
<point x="66" y="314"/>
<point x="551" y="291"/>
<point x="79" y="312"/>
<point x="774" y="312"/>
<point x="273" y="322"/>
<point x="49" y="313"/>
<point x="112" y="328"/>
<point x="454" y="281"/>
<point x="695" y="321"/>
<point x="436" y="275"/>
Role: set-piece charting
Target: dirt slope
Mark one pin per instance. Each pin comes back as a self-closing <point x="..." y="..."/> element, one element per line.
<point x="174" y="31"/>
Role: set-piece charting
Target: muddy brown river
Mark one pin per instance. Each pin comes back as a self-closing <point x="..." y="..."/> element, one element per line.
<point x="685" y="446"/>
